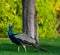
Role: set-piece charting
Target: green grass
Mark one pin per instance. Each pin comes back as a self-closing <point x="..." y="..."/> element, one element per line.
<point x="52" y="46"/>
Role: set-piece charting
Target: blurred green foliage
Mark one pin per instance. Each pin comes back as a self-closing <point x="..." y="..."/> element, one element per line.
<point x="11" y="12"/>
<point x="47" y="20"/>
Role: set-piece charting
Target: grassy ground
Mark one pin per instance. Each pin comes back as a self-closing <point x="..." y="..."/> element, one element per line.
<point x="52" y="45"/>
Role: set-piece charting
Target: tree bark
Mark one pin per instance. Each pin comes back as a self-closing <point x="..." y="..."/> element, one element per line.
<point x="29" y="18"/>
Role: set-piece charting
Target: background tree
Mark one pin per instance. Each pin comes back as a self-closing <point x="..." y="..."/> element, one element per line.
<point x="29" y="18"/>
<point x="48" y="15"/>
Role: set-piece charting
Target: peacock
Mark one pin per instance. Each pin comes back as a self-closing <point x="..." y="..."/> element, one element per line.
<point x="23" y="39"/>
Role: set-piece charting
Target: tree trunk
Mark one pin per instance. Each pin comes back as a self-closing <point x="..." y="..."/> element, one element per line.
<point x="29" y="18"/>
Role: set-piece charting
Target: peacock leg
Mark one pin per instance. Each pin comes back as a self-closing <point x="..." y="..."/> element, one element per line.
<point x="18" y="48"/>
<point x="24" y="47"/>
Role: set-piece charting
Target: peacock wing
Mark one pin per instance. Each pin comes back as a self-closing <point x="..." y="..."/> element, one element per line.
<point x="25" y="37"/>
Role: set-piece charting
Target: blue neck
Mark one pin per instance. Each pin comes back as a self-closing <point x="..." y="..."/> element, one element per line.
<point x="10" y="31"/>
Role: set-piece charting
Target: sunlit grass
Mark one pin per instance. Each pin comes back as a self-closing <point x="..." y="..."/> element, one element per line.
<point x="52" y="46"/>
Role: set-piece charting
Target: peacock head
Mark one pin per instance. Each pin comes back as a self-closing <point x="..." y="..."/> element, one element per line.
<point x="10" y="26"/>
<point x="10" y="29"/>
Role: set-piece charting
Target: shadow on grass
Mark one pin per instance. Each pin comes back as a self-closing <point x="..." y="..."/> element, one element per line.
<point x="13" y="47"/>
<point x="8" y="47"/>
<point x="51" y="48"/>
